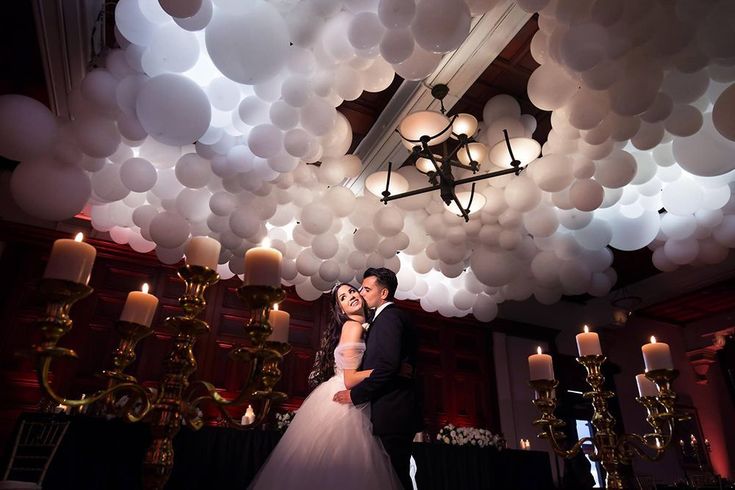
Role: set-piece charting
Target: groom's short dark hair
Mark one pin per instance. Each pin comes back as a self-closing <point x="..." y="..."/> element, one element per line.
<point x="385" y="277"/>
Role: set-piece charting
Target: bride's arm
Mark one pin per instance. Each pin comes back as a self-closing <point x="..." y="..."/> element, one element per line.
<point x="352" y="332"/>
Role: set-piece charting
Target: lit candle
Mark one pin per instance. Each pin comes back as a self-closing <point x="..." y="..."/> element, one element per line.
<point x="249" y="416"/>
<point x="71" y="260"/>
<point x="646" y="387"/>
<point x="657" y="355"/>
<point x="203" y="251"/>
<point x="263" y="266"/>
<point x="540" y="366"/>
<point x="139" y="307"/>
<point x="279" y="321"/>
<point x="588" y="343"/>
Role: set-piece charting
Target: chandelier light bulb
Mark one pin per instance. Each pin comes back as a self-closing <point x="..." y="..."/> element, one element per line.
<point x="464" y="124"/>
<point x="477" y="152"/>
<point x="424" y="123"/>
<point x="425" y="165"/>
<point x="478" y="202"/>
<point x="525" y="150"/>
<point x="375" y="183"/>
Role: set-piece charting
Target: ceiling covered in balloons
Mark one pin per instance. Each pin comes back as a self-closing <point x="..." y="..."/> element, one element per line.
<point x="252" y="120"/>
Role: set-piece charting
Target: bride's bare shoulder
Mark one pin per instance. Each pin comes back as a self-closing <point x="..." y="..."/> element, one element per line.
<point x="351" y="331"/>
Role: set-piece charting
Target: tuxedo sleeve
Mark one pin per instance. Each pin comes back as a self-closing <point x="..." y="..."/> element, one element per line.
<point x="387" y="345"/>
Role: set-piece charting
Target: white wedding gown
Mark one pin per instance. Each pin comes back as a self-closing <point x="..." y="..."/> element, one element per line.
<point x="329" y="445"/>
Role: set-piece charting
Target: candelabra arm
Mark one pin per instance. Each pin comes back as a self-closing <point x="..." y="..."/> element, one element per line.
<point x="59" y="296"/>
<point x="43" y="369"/>
<point x="636" y="445"/>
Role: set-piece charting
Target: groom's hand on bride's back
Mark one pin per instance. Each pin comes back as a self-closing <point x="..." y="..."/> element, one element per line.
<point x="343" y="397"/>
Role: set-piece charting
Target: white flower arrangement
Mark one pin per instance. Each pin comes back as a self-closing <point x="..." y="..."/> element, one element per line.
<point x="469" y="436"/>
<point x="283" y="420"/>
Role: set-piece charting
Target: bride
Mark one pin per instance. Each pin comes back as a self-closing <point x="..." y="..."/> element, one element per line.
<point x="329" y="444"/>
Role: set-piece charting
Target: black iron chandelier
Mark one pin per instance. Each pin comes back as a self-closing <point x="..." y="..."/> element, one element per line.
<point x="439" y="144"/>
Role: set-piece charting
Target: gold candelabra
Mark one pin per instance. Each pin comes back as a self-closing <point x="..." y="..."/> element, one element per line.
<point x="610" y="449"/>
<point x="175" y="400"/>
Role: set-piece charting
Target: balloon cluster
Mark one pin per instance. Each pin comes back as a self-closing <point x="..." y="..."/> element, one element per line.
<point x="642" y="120"/>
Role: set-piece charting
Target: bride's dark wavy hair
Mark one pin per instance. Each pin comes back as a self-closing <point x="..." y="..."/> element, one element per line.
<point x="323" y="367"/>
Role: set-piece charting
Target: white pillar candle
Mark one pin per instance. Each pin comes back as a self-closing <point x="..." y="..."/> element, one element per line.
<point x="646" y="387"/>
<point x="540" y="366"/>
<point x="657" y="355"/>
<point x="263" y="267"/>
<point x="249" y="416"/>
<point x="140" y="307"/>
<point x="71" y="260"/>
<point x="588" y="343"/>
<point x="279" y="321"/>
<point x="203" y="251"/>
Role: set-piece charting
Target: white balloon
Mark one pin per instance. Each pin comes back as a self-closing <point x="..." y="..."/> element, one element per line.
<point x="138" y="174"/>
<point x="388" y="221"/>
<point x="365" y="30"/>
<point x="316" y="218"/>
<point x="397" y="45"/>
<point x="419" y="65"/>
<point x="682" y="197"/>
<point x="522" y="194"/>
<point x="173" y="109"/>
<point x="633" y="233"/>
<point x="171" y="49"/>
<point x="722" y="113"/>
<point x="440" y="26"/>
<point x="49" y="191"/>
<point x="552" y="173"/>
<point x="169" y="230"/>
<point x="181" y="8"/>
<point x="706" y="153"/>
<point x="27" y="128"/>
<point x="616" y="170"/>
<point x="685" y="120"/>
<point x="248" y="47"/>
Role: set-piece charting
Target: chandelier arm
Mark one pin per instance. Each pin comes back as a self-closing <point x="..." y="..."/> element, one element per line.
<point x="411" y="193"/>
<point x="462" y="210"/>
<point x="386" y="192"/>
<point x="472" y="196"/>
<point x="507" y="143"/>
<point x="485" y="176"/>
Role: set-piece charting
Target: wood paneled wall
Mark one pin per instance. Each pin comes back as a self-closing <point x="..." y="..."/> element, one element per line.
<point x="455" y="361"/>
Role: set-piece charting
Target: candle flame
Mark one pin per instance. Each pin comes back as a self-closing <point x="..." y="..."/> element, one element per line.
<point x="538" y="349"/>
<point x="79" y="237"/>
<point x="275" y="306"/>
<point x="144" y="288"/>
<point x="266" y="243"/>
<point x="653" y="339"/>
<point x="586" y="329"/>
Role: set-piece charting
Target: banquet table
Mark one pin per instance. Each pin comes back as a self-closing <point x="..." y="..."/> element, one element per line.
<point x="100" y="454"/>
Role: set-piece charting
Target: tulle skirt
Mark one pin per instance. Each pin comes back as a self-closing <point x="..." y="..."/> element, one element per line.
<point x="328" y="445"/>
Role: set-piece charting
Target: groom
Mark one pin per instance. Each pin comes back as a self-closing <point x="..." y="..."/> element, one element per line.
<point x="391" y="341"/>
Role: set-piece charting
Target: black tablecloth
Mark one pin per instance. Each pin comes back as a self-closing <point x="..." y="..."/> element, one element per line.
<point x="98" y="454"/>
<point x="452" y="467"/>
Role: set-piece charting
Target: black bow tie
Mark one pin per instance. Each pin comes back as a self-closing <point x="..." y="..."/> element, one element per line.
<point x="370" y="315"/>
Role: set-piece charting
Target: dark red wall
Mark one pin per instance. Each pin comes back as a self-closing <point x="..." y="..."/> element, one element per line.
<point x="455" y="362"/>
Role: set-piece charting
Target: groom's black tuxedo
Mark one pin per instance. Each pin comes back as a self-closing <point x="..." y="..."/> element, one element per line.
<point x="395" y="414"/>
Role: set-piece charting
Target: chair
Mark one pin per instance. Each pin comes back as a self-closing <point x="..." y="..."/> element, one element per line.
<point x="34" y="448"/>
